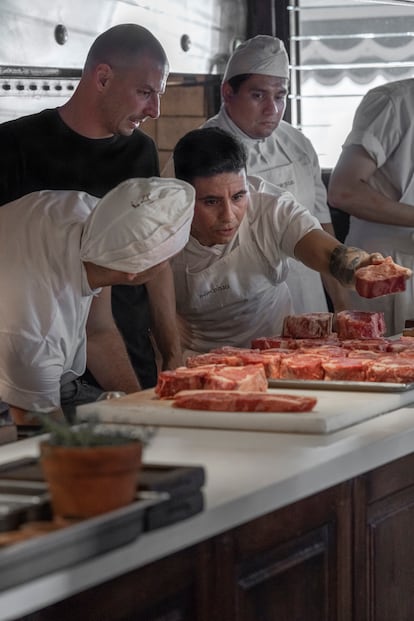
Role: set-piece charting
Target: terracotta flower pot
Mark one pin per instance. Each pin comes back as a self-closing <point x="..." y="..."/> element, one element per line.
<point x="88" y="481"/>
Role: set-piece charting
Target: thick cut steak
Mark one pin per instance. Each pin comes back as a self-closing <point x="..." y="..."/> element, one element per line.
<point x="392" y="369"/>
<point x="237" y="401"/>
<point x="247" y="378"/>
<point x="301" y="366"/>
<point x="216" y="377"/>
<point x="234" y="357"/>
<point x="345" y="369"/>
<point x="359" y="324"/>
<point x="201" y="360"/>
<point x="308" y="325"/>
<point x="388" y="277"/>
<point x="170" y="382"/>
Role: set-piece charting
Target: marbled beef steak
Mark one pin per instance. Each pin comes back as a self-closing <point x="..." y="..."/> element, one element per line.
<point x="382" y="279"/>
<point x="238" y="401"/>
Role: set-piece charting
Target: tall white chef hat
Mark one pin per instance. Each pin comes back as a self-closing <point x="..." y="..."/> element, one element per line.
<point x="262" y="54"/>
<point x="139" y="224"/>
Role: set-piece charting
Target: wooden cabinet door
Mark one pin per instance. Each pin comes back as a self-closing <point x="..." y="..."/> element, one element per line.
<point x="290" y="565"/>
<point x="384" y="543"/>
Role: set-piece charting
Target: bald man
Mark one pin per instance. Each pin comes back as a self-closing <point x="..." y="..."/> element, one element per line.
<point x="92" y="143"/>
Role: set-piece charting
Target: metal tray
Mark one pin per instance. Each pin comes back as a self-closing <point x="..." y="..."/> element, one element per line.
<point x="340" y="385"/>
<point x="37" y="556"/>
<point x="25" y="493"/>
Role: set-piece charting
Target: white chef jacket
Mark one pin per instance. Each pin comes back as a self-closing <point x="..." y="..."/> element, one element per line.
<point x="383" y="126"/>
<point x="228" y="294"/>
<point x="287" y="159"/>
<point x="45" y="297"/>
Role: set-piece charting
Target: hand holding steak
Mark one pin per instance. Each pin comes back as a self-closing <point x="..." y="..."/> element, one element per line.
<point x="346" y="260"/>
<point x="381" y="279"/>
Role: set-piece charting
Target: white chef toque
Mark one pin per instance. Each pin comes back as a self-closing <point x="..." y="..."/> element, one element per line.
<point x="139" y="224"/>
<point x="262" y="54"/>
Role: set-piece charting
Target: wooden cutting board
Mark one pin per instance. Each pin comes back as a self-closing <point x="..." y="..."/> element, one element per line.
<point x="334" y="410"/>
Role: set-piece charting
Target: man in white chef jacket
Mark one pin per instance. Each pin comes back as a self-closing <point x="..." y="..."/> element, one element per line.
<point x="230" y="278"/>
<point x="373" y="181"/>
<point x="254" y="90"/>
<point x="58" y="250"/>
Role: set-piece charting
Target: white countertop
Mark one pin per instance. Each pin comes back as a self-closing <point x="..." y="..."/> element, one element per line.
<point x="248" y="475"/>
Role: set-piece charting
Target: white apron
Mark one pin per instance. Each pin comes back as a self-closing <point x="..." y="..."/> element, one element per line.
<point x="305" y="284"/>
<point x="237" y="298"/>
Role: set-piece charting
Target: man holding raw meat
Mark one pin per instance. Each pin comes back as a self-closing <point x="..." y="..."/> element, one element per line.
<point x="373" y="181"/>
<point x="230" y="277"/>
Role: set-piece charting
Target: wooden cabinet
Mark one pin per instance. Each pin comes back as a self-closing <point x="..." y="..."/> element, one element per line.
<point x="384" y="543"/>
<point x="285" y="566"/>
<point x="345" y="554"/>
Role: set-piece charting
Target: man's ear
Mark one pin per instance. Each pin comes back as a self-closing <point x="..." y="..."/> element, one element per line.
<point x="226" y="92"/>
<point x="103" y="75"/>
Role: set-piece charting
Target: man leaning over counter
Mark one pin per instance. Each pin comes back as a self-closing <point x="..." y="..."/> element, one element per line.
<point x="91" y="144"/>
<point x="66" y="247"/>
<point x="230" y="278"/>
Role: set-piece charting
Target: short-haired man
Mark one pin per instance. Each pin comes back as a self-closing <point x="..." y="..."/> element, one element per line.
<point x="92" y="143"/>
<point x="231" y="276"/>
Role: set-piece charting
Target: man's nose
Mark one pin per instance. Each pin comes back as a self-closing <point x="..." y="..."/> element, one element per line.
<point x="152" y="107"/>
<point x="273" y="106"/>
<point x="227" y="211"/>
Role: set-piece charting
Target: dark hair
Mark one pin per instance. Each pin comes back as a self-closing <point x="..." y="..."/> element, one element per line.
<point x="237" y="80"/>
<point x="206" y="152"/>
<point x="121" y="44"/>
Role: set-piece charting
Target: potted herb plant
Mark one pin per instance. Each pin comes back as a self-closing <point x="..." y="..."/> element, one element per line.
<point x="90" y="469"/>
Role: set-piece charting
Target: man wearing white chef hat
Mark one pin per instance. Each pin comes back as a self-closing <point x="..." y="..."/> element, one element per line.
<point x="254" y="91"/>
<point x="65" y="246"/>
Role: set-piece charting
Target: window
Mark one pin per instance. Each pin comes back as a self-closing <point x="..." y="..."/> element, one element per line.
<point x="338" y="51"/>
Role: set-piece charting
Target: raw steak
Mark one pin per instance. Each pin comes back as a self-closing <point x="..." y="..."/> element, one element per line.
<point x="359" y="324"/>
<point x="301" y="366"/>
<point x="382" y="279"/>
<point x="325" y="351"/>
<point x="201" y="360"/>
<point x="379" y="344"/>
<point x="404" y="343"/>
<point x="392" y="369"/>
<point x="345" y="369"/>
<point x="217" y="377"/>
<point x="170" y="382"/>
<point x="237" y="401"/>
<point x="308" y="325"/>
<point x="234" y="357"/>
<point x="273" y="342"/>
<point x="251" y="377"/>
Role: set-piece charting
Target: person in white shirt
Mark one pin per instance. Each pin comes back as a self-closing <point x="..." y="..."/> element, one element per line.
<point x="230" y="278"/>
<point x="254" y="91"/>
<point x="58" y="251"/>
<point x="373" y="181"/>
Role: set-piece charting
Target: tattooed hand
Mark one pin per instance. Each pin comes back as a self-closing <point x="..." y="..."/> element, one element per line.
<point x="346" y="260"/>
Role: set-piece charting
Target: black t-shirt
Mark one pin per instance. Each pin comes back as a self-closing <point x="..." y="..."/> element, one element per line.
<point x="41" y="152"/>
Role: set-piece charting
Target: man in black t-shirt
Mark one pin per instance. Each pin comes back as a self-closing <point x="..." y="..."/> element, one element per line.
<point x="92" y="143"/>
